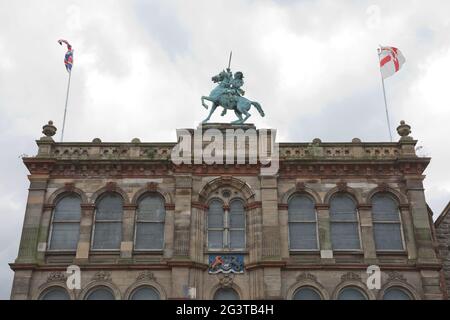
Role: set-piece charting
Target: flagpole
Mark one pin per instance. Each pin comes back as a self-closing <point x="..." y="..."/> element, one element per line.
<point x="65" y="108"/>
<point x="385" y="101"/>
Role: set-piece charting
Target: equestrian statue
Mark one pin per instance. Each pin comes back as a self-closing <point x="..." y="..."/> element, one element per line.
<point x="229" y="95"/>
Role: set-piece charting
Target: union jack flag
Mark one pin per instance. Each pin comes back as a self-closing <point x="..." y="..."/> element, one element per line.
<point x="68" y="59"/>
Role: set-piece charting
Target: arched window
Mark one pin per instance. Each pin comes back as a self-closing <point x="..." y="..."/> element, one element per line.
<point x="55" y="293"/>
<point x="302" y="223"/>
<point x="150" y="223"/>
<point x="108" y="222"/>
<point x="344" y="223"/>
<point x="351" y="293"/>
<point x="66" y="223"/>
<point x="396" y="293"/>
<point x="226" y="228"/>
<point x="226" y="294"/>
<point x="386" y="223"/>
<point x="100" y="293"/>
<point x="307" y="293"/>
<point x="145" y="293"/>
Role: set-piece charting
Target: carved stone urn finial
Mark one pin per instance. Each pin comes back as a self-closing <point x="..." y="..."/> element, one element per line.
<point x="49" y="130"/>
<point x="404" y="130"/>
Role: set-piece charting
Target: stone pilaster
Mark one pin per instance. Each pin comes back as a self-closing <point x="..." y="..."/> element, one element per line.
<point x="32" y="220"/>
<point x="169" y="231"/>
<point x="254" y="232"/>
<point x="367" y="235"/>
<point x="408" y="232"/>
<point x="284" y="227"/>
<point x="44" y="230"/>
<point x="323" y="220"/>
<point x="182" y="217"/>
<point x="419" y="212"/>
<point x="21" y="285"/>
<point x="127" y="244"/>
<point x="270" y="220"/>
<point x="84" y="242"/>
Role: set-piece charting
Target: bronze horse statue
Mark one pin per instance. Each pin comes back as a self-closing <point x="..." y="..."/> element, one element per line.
<point x="224" y="95"/>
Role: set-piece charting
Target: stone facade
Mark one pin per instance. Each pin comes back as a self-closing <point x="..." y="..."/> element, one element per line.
<point x="443" y="237"/>
<point x="272" y="271"/>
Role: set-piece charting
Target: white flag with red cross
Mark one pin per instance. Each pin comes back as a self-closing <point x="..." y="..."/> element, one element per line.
<point x="391" y="61"/>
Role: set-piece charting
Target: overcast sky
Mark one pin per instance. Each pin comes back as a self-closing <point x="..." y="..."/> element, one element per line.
<point x="141" y="66"/>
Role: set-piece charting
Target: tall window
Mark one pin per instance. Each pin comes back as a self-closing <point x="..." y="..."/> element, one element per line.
<point x="226" y="228"/>
<point x="302" y="223"/>
<point x="386" y="223"/>
<point x="150" y="223"/>
<point x="344" y="223"/>
<point x="108" y="222"/>
<point x="66" y="223"/>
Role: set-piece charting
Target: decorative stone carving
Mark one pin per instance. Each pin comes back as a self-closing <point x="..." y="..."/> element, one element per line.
<point x="69" y="186"/>
<point x="403" y="129"/>
<point x="351" y="276"/>
<point x="342" y="186"/>
<point x="152" y="186"/>
<point x="49" y="130"/>
<point x="146" y="276"/>
<point x="306" y="276"/>
<point x="111" y="186"/>
<point x="96" y="140"/>
<point x="383" y="186"/>
<point x="300" y="186"/>
<point x="395" y="276"/>
<point x="226" y="280"/>
<point x="56" y="276"/>
<point x="102" y="276"/>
